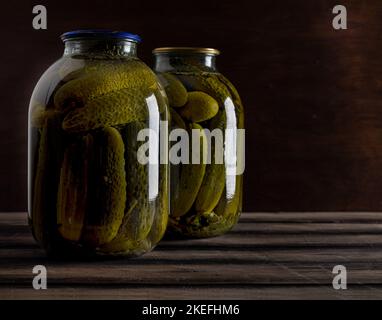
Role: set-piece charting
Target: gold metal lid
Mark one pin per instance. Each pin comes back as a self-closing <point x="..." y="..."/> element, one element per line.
<point x="190" y="50"/>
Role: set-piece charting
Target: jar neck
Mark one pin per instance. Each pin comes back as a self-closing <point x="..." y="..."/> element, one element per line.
<point x="167" y="62"/>
<point x="101" y="48"/>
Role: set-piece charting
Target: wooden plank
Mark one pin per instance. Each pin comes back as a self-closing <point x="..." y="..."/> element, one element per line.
<point x="260" y="257"/>
<point x="302" y="228"/>
<point x="194" y="292"/>
<point x="303" y="217"/>
<point x="250" y="242"/>
<point x="180" y="274"/>
<point x="264" y="228"/>
<point x="13" y="218"/>
<point x="17" y="234"/>
<point x="11" y="258"/>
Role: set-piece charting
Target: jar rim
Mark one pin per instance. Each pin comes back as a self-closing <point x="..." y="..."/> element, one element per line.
<point x="99" y="33"/>
<point x="186" y="50"/>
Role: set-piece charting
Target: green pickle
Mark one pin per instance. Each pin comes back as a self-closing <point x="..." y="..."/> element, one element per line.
<point x="46" y="177"/>
<point x="139" y="214"/>
<point x="107" y="184"/>
<point x="191" y="178"/>
<point x="107" y="78"/>
<point x="88" y="194"/>
<point x="214" y="180"/>
<point x="160" y="222"/>
<point x="111" y="109"/>
<point x="176" y="92"/>
<point x="73" y="189"/>
<point x="199" y="107"/>
<point x="205" y="201"/>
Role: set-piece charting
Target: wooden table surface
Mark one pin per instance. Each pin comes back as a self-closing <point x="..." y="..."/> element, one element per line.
<point x="266" y="256"/>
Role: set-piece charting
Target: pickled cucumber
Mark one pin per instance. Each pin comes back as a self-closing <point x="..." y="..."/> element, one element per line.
<point x="47" y="172"/>
<point x="236" y="101"/>
<point x="41" y="186"/>
<point x="160" y="222"/>
<point x="113" y="77"/>
<point x="72" y="191"/>
<point x="138" y="219"/>
<point x="114" y="108"/>
<point x="177" y="120"/>
<point x="176" y="123"/>
<point x="121" y="242"/>
<point x="39" y="114"/>
<point x="191" y="179"/>
<point x="107" y="188"/>
<point x="208" y="83"/>
<point x="83" y="68"/>
<point x="144" y="221"/>
<point x="161" y="98"/>
<point x="214" y="178"/>
<point x="161" y="218"/>
<point x="200" y="107"/>
<point x="230" y="205"/>
<point x="234" y="94"/>
<point x="175" y="90"/>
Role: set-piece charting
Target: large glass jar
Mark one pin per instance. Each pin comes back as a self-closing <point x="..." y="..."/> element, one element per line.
<point x="90" y="191"/>
<point x="206" y="196"/>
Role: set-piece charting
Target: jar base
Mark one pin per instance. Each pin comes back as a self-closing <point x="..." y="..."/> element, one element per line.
<point x="179" y="229"/>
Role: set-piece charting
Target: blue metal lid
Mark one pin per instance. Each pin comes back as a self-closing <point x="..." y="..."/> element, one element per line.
<point x="100" y="33"/>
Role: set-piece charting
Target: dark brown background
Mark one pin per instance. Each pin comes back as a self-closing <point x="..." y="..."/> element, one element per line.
<point x="312" y="94"/>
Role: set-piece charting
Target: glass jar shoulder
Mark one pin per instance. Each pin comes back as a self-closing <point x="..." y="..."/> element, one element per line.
<point x="102" y="86"/>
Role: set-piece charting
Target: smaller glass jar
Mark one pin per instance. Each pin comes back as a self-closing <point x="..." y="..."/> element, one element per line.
<point x="206" y="197"/>
<point x="89" y="195"/>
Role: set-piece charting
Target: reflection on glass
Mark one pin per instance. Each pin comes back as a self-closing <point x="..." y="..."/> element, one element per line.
<point x="154" y="122"/>
<point x="230" y="148"/>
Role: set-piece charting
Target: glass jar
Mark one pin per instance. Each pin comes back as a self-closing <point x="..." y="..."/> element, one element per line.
<point x="206" y="196"/>
<point x="90" y="193"/>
